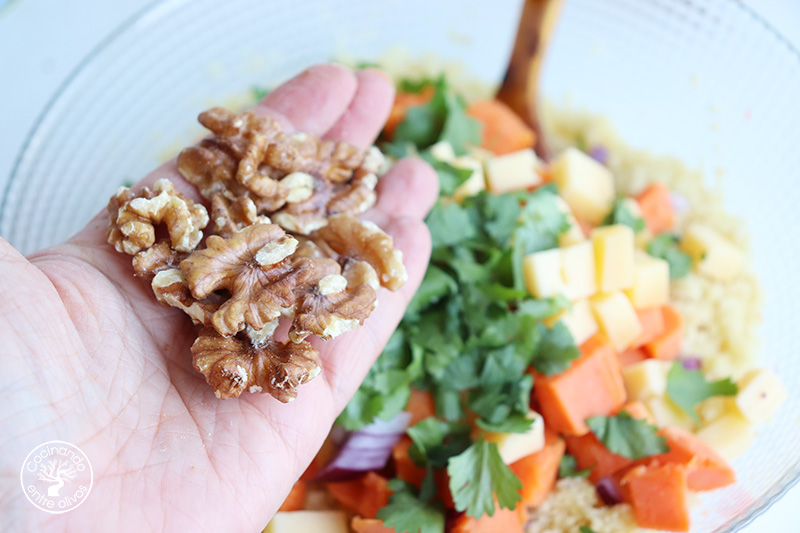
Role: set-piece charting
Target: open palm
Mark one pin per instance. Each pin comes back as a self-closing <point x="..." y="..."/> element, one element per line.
<point x="89" y="357"/>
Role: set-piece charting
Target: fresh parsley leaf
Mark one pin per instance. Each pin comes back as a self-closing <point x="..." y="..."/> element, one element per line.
<point x="443" y="118"/>
<point x="258" y="93"/>
<point x="626" y="436"/>
<point x="621" y="214"/>
<point x="555" y="350"/>
<point x="408" y="85"/>
<point x="450" y="176"/>
<point x="436" y="441"/>
<point x="687" y="388"/>
<point x="544" y="307"/>
<point x="586" y="529"/>
<point x="407" y="512"/>
<point x="514" y="423"/>
<point x="435" y="285"/>
<point x="666" y="247"/>
<point x="568" y="467"/>
<point x="449" y="224"/>
<point x="478" y="476"/>
<point x="501" y="215"/>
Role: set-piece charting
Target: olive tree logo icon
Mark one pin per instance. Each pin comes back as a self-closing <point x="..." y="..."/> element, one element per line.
<point x="56" y="476"/>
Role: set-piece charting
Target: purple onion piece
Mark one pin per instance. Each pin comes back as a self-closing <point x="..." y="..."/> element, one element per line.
<point x="599" y="154"/>
<point x="679" y="202"/>
<point x="366" y="449"/>
<point x="608" y="491"/>
<point x="692" y="363"/>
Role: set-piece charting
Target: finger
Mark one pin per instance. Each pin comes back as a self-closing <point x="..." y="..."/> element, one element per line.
<point x="367" y="112"/>
<point x="313" y="101"/>
<point x="347" y="359"/>
<point x="409" y="189"/>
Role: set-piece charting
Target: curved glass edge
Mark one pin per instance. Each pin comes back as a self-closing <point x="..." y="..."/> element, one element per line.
<point x="787" y="481"/>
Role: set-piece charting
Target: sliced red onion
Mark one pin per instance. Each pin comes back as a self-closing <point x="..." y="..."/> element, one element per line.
<point x="679" y="202"/>
<point x="692" y="363"/>
<point x="366" y="449"/>
<point x="608" y="491"/>
<point x="599" y="154"/>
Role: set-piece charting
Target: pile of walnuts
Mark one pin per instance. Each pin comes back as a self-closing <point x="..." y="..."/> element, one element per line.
<point x="281" y="241"/>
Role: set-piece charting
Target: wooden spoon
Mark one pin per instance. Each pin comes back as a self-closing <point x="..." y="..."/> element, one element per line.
<point x="521" y="82"/>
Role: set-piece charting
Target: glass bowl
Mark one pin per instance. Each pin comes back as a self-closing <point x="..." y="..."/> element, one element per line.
<point x="707" y="81"/>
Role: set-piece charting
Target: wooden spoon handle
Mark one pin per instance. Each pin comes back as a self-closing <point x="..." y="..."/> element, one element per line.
<point x="520" y="84"/>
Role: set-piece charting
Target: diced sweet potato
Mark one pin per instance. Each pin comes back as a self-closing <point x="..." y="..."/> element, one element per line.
<point x="652" y="321"/>
<point x="631" y="356"/>
<point x="658" y="495"/>
<point x="404" y="467"/>
<point x="369" y="525"/>
<point x="502" y="521"/>
<point x="705" y="468"/>
<point x="421" y="405"/>
<point x="656" y="207"/>
<point x="667" y="345"/>
<point x="503" y="131"/>
<point x="296" y="499"/>
<point x="591" y="386"/>
<point x="589" y="452"/>
<point x="538" y="471"/>
<point x="364" y="496"/>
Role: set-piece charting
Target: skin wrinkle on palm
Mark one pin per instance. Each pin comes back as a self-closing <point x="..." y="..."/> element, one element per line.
<point x="109" y="369"/>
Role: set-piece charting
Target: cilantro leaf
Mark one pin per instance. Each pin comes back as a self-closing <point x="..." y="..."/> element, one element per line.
<point x="450" y="176"/>
<point x="621" y="214"/>
<point x="626" y="436"/>
<point x="586" y="529"/>
<point x="406" y="512"/>
<point x="568" y="467"/>
<point x="665" y="246"/>
<point x="435" y="285"/>
<point x="449" y="224"/>
<point x="687" y="388"/>
<point x="408" y="85"/>
<point x="478" y="476"/>
<point x="459" y="129"/>
<point x="555" y="350"/>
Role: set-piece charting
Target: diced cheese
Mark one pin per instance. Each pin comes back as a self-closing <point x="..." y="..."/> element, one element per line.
<point x="475" y="183"/>
<point x="443" y="151"/>
<point x="580" y="277"/>
<point x="574" y="233"/>
<point x="613" y="255"/>
<point x="616" y="318"/>
<point x="580" y="321"/>
<point x="666" y="413"/>
<point x="513" y="172"/>
<point x="650" y="281"/>
<point x="760" y="394"/>
<point x="316" y="521"/>
<point x="646" y="379"/>
<point x="713" y="254"/>
<point x="543" y="274"/>
<point x="730" y="435"/>
<point x="712" y="408"/>
<point x="586" y="185"/>
<point x="515" y="446"/>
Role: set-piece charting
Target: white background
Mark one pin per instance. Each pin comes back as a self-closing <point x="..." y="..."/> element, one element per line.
<point x="42" y="41"/>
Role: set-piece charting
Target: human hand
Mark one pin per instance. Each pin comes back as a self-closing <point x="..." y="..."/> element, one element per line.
<point x="89" y="357"/>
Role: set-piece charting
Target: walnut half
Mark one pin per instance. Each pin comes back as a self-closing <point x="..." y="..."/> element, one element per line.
<point x="233" y="365"/>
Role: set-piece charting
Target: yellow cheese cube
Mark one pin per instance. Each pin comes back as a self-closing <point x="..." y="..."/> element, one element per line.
<point x="317" y="521"/>
<point x="580" y="321"/>
<point x="760" y="394"/>
<point x="586" y="185"/>
<point x="616" y="318"/>
<point x="574" y="233"/>
<point x="512" y="172"/>
<point x="666" y="413"/>
<point x="580" y="278"/>
<point x="475" y="183"/>
<point x="613" y="256"/>
<point x="712" y="408"/>
<point x="650" y="281"/>
<point x="714" y="255"/>
<point x="515" y="446"/>
<point x="646" y="379"/>
<point x="542" y="271"/>
<point x="730" y="435"/>
<point x="443" y="151"/>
